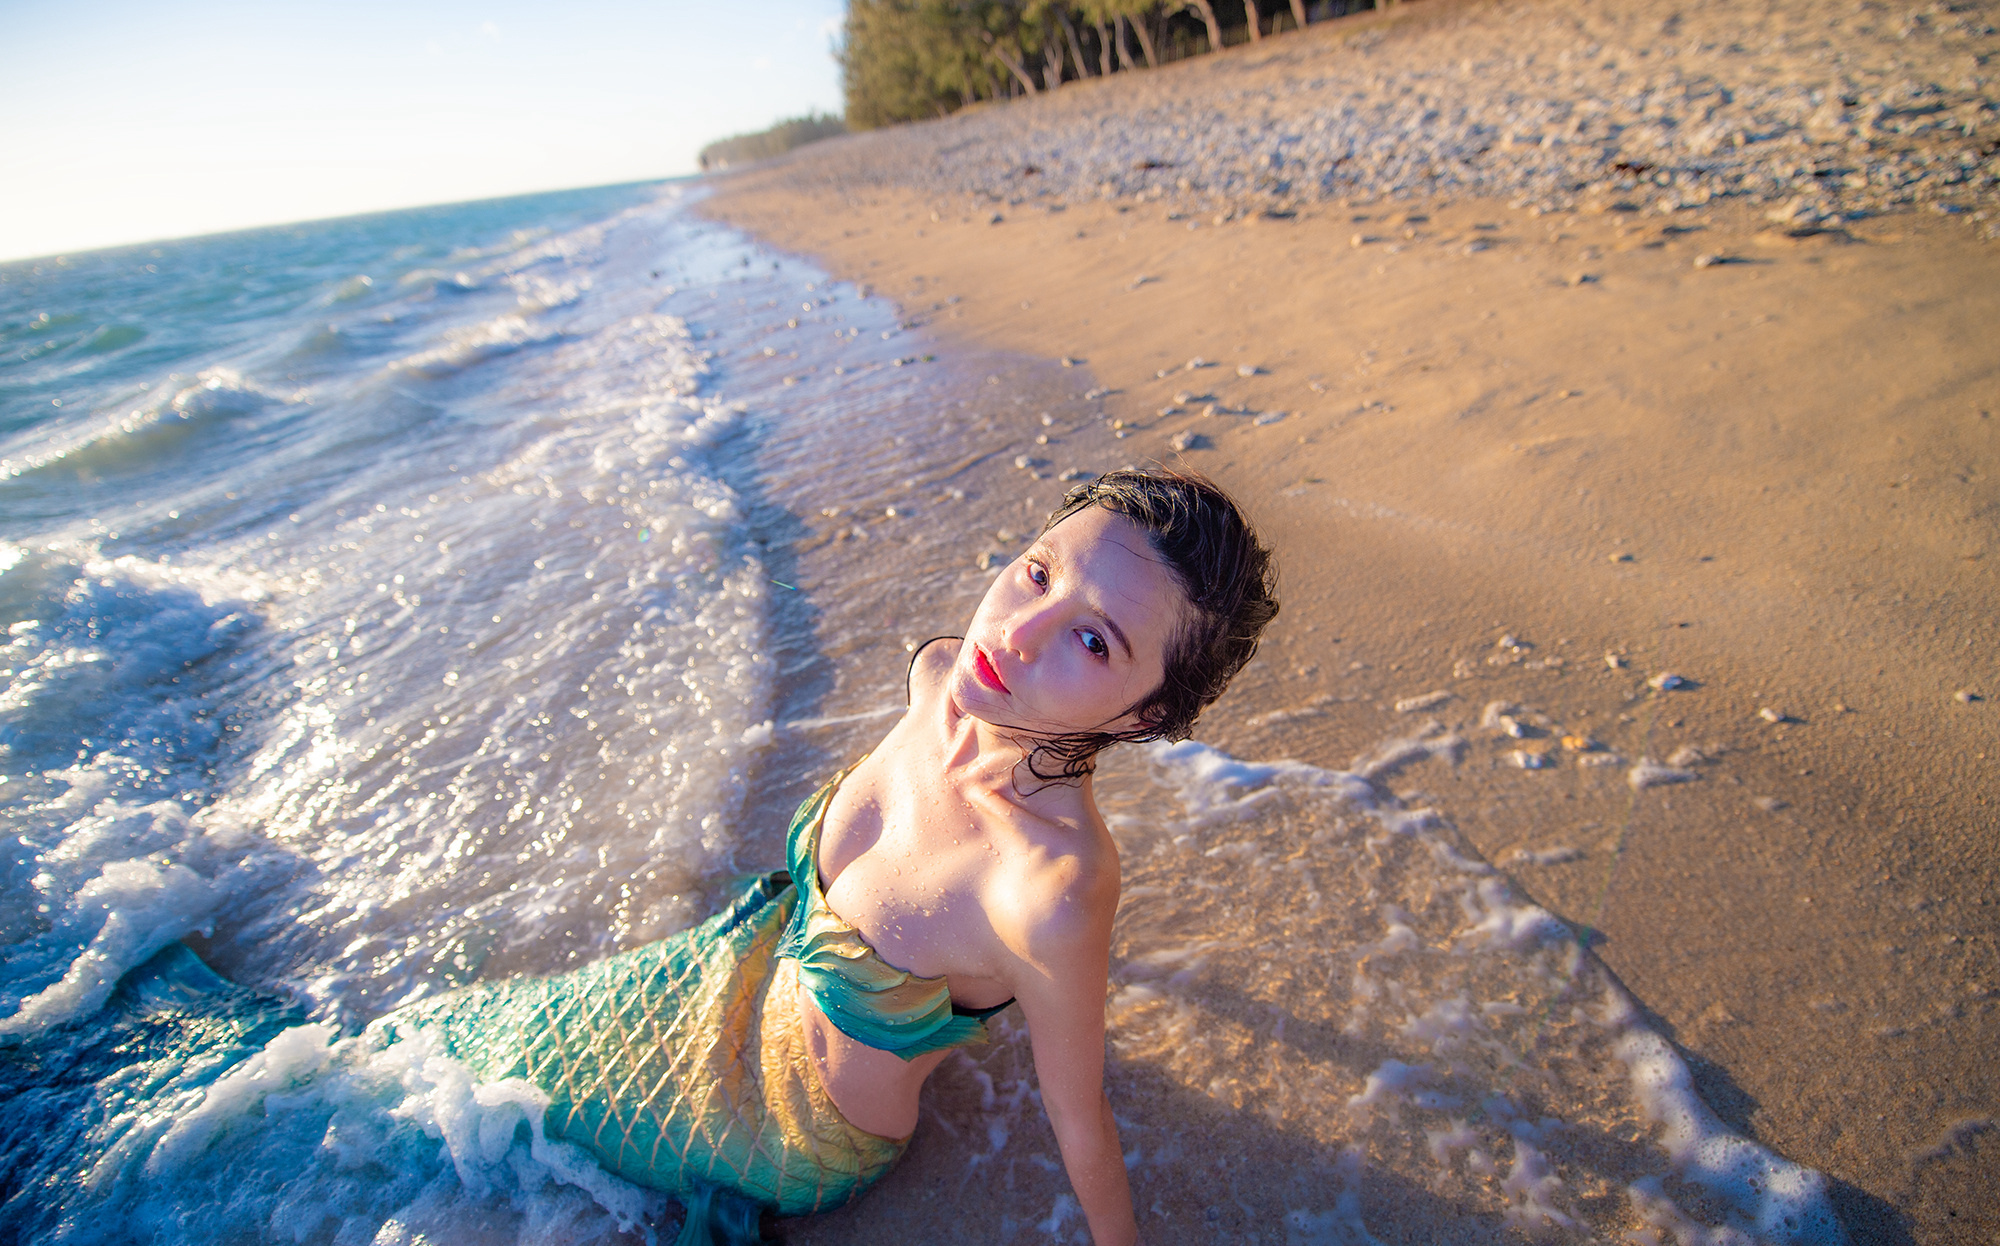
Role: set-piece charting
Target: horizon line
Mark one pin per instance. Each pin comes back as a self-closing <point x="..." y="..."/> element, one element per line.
<point x="7" y="262"/>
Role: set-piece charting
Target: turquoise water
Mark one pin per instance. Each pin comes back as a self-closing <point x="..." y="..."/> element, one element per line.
<point x="380" y="611"/>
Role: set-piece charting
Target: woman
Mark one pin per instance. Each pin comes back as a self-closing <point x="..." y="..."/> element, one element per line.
<point x="771" y="1057"/>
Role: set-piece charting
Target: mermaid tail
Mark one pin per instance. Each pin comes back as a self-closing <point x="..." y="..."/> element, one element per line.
<point x="681" y="1066"/>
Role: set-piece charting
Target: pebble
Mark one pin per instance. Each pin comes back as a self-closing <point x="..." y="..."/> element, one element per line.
<point x="1182" y="442"/>
<point x="1686" y="755"/>
<point x="1666" y="681"/>
<point x="1069" y="362"/>
<point x="1582" y="279"/>
<point x="1270" y="417"/>
<point x="1769" y="804"/>
<point x="1075" y="473"/>
<point x="1647" y="773"/>
<point x="1528" y="759"/>
<point x="1544" y="856"/>
<point x="1680" y="113"/>
<point x="1621" y="558"/>
<point x="1770" y="715"/>
<point x="1708" y="261"/>
<point x="995" y="219"/>
<point x="1966" y="696"/>
<point x="1476" y="246"/>
<point x="1614" y="661"/>
<point x="1427" y="701"/>
<point x="1247" y="369"/>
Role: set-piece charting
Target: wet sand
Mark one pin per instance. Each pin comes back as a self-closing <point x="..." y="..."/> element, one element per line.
<point x="1542" y="458"/>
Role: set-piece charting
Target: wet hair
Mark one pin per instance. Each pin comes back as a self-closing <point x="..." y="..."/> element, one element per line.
<point x="1228" y="579"/>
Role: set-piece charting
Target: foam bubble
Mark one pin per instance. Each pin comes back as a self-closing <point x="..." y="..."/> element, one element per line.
<point x="1346" y="946"/>
<point x="311" y="1135"/>
<point x="1781" y="1200"/>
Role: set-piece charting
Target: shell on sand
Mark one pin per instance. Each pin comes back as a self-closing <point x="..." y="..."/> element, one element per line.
<point x="1428" y="700"/>
<point x="1647" y="773"/>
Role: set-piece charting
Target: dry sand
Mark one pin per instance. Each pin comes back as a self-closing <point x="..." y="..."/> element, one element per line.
<point x="1539" y="458"/>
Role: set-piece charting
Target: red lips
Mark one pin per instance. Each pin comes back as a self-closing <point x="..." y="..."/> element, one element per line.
<point x="987" y="674"/>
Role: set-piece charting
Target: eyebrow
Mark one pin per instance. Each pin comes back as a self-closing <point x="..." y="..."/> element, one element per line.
<point x="1055" y="563"/>
<point x="1117" y="632"/>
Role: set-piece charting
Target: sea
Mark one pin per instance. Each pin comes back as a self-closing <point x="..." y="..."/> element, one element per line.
<point x="409" y="600"/>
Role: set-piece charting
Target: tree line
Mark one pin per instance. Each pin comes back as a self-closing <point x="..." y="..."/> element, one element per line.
<point x="904" y="60"/>
<point x="775" y="141"/>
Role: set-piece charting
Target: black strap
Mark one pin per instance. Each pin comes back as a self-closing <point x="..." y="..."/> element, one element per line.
<point x="911" y="670"/>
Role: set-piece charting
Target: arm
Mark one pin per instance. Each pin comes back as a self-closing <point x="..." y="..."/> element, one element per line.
<point x="1061" y="992"/>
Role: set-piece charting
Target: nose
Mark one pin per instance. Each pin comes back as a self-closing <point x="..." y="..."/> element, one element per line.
<point x="1028" y="630"/>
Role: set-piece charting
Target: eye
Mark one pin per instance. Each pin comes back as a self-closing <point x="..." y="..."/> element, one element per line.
<point x="1038" y="573"/>
<point x="1094" y="644"/>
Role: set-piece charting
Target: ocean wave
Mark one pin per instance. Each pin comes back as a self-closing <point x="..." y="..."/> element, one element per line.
<point x="361" y="285"/>
<point x="204" y="1112"/>
<point x="462" y="348"/>
<point x="424" y="282"/>
<point x="573" y="248"/>
<point x="537" y="294"/>
<point x="111" y="337"/>
<point x="110" y="729"/>
<point x="325" y="342"/>
<point x="564" y="651"/>
<point x="100" y="641"/>
<point x="137" y="438"/>
<point x="1501" y="1055"/>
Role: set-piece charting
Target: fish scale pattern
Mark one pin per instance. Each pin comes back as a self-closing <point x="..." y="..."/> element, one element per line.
<point x="681" y="1065"/>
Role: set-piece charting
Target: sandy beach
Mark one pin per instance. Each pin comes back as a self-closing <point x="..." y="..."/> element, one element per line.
<point x="1667" y="460"/>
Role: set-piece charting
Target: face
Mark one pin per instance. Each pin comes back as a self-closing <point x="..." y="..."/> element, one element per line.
<point x="1074" y="632"/>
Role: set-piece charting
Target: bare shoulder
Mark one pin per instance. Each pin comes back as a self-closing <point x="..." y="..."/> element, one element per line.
<point x="1061" y="889"/>
<point x="930" y="666"/>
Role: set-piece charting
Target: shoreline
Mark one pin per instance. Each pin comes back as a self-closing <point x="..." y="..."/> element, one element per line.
<point x="1484" y="437"/>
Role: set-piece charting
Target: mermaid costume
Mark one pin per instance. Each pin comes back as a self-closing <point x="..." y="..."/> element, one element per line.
<point x="682" y="1066"/>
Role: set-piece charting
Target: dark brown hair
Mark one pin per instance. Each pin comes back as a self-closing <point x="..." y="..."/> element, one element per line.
<point x="1230" y="583"/>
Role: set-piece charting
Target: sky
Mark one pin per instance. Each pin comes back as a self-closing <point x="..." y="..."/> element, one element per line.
<point x="133" y="120"/>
